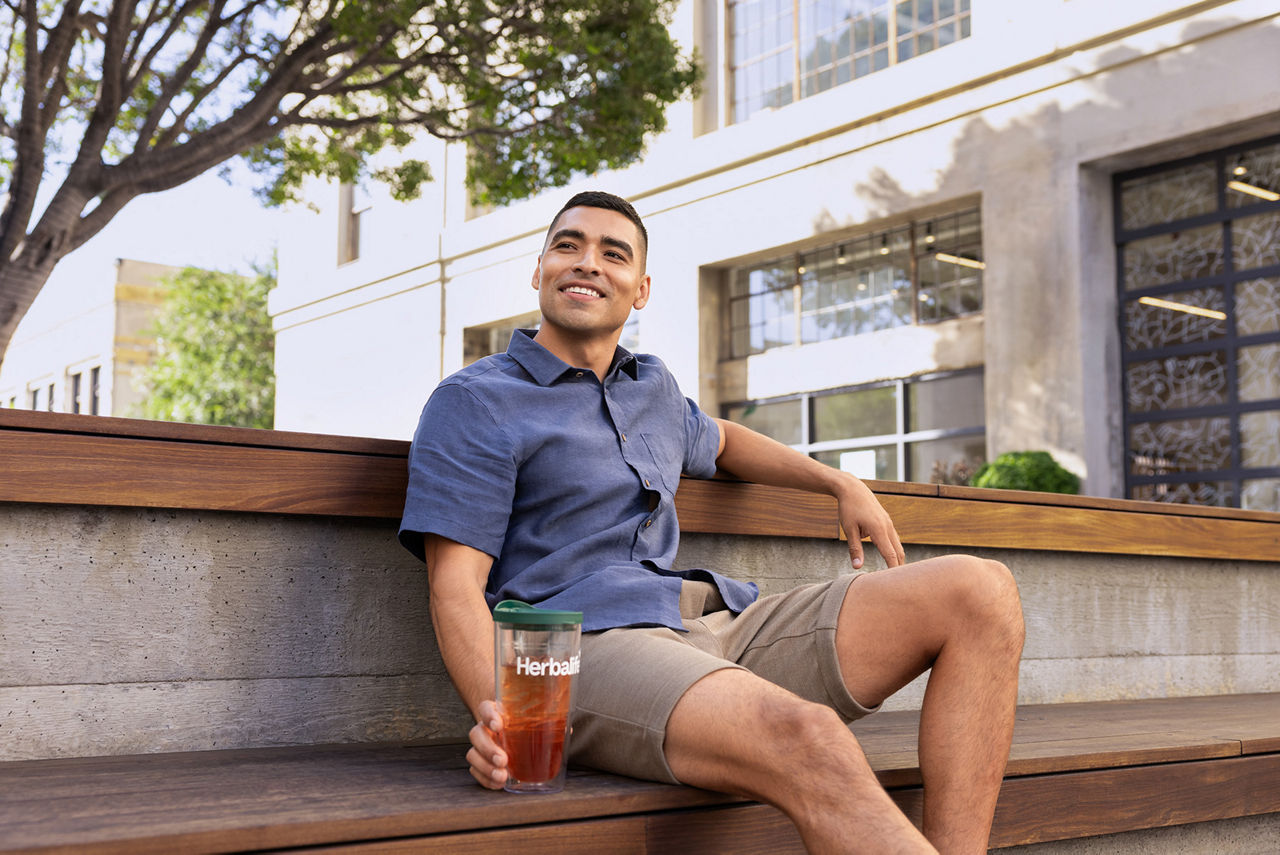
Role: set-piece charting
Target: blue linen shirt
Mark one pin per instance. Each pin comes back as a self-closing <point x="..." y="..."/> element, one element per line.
<point x="568" y="483"/>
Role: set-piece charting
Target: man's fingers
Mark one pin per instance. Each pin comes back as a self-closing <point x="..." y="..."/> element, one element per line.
<point x="855" y="552"/>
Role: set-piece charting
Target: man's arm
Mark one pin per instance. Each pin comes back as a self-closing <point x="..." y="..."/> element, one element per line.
<point x="754" y="457"/>
<point x="463" y="625"/>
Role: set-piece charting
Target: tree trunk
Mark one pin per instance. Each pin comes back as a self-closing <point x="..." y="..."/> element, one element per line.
<point x="19" y="285"/>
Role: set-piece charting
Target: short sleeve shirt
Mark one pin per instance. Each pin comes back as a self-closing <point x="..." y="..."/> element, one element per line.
<point x="567" y="482"/>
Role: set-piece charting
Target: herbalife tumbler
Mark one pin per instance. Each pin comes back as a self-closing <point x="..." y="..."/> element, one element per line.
<point x="537" y="660"/>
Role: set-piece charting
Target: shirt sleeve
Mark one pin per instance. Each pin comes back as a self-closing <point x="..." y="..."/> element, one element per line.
<point x="702" y="442"/>
<point x="462" y="474"/>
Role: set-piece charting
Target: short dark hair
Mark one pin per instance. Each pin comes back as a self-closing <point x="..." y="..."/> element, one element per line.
<point x="610" y="202"/>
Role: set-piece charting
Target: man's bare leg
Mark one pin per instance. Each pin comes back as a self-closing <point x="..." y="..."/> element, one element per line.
<point x="737" y="733"/>
<point x="961" y="616"/>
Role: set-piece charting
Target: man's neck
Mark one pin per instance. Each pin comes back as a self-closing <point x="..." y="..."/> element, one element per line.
<point x="594" y="352"/>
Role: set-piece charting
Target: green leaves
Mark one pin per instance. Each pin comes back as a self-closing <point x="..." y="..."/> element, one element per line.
<point x="215" y="351"/>
<point x="1026" y="470"/>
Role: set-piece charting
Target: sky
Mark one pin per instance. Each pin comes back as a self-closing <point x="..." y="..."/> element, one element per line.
<point x="206" y="222"/>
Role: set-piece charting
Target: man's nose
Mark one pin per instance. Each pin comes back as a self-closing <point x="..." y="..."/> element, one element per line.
<point x="588" y="261"/>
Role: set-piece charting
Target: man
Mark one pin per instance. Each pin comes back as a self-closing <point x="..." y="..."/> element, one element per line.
<point x="547" y="474"/>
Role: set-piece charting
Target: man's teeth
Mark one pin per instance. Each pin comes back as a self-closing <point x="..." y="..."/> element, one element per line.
<point x="578" y="289"/>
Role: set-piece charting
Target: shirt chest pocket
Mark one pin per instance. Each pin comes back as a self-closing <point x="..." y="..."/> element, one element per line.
<point x="666" y="456"/>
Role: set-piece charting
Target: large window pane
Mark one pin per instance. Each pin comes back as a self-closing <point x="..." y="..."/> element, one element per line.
<point x="1173" y="257"/>
<point x="1211" y="493"/>
<point x="1258" y="371"/>
<point x="1261" y="494"/>
<point x="879" y="462"/>
<point x="1180" y="445"/>
<point x="1253" y="176"/>
<point x="859" y="285"/>
<point x="781" y="420"/>
<point x="946" y="403"/>
<point x="1260" y="439"/>
<point x="1255" y="241"/>
<point x="867" y="412"/>
<point x="833" y="41"/>
<point x="938" y="460"/>
<point x="1168" y="196"/>
<point x="1179" y="317"/>
<point x="1258" y="306"/>
<point x="1198" y="380"/>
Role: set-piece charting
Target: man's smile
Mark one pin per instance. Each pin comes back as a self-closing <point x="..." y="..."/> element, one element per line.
<point x="585" y="290"/>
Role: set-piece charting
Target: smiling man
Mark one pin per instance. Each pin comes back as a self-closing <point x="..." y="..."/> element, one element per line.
<point x="548" y="474"/>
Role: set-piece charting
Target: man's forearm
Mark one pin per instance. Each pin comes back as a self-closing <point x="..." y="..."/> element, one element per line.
<point x="754" y="457"/>
<point x="464" y="633"/>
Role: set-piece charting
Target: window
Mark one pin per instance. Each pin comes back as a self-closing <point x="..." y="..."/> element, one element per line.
<point x="75" y="392"/>
<point x="49" y="399"/>
<point x="33" y="396"/>
<point x="929" y="429"/>
<point x="918" y="273"/>
<point x="481" y="341"/>
<point x="94" y="374"/>
<point x="784" y="50"/>
<point x="1198" y="255"/>
<point x="353" y="204"/>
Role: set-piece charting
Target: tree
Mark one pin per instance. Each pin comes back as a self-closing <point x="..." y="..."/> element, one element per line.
<point x="104" y="100"/>
<point x="215" y="351"/>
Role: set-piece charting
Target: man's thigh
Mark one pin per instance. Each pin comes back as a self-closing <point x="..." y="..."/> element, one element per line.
<point x="632" y="679"/>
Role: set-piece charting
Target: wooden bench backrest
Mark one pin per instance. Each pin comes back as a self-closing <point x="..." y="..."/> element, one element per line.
<point x="66" y="459"/>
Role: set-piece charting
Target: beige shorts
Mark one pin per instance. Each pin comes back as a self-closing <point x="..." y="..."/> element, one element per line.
<point x="631" y="679"/>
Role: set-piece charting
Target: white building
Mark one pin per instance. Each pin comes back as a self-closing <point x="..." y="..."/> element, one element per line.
<point x="897" y="241"/>
<point x="82" y="354"/>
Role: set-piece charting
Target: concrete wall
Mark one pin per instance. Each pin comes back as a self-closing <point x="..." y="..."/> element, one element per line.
<point x="126" y="630"/>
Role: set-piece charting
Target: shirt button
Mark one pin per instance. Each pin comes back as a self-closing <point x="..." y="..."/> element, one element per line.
<point x="646" y="482"/>
<point x="648" y="523"/>
<point x="624" y="436"/>
<point x="579" y="374"/>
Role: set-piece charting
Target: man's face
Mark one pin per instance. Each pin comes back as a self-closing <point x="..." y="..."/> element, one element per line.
<point x="591" y="273"/>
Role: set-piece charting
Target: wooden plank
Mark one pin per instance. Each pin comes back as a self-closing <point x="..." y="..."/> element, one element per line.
<point x="96" y="461"/>
<point x="1030" y="497"/>
<point x="90" y="470"/>
<point x="1041" y="808"/>
<point x="728" y="507"/>
<point x="68" y="423"/>
<point x="616" y="836"/>
<point x="961" y="523"/>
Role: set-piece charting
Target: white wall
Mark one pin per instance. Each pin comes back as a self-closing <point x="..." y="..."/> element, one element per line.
<point x="1029" y="117"/>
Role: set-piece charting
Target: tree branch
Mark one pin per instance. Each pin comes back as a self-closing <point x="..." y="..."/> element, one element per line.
<point x="172" y="84"/>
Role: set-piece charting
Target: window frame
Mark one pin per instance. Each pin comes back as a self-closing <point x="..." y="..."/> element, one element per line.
<point x="1230" y="343"/>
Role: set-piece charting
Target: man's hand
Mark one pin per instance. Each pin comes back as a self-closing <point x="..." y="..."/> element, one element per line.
<point x="488" y="760"/>
<point x="861" y="515"/>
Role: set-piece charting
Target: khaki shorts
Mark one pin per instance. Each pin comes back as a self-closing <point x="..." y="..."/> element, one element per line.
<point x="631" y="679"/>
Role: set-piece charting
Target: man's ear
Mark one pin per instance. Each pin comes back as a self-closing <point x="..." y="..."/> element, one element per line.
<point x="537" y="274"/>
<point x="642" y="295"/>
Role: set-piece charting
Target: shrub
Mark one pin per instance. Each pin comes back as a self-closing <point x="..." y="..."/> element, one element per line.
<point x="1026" y="470"/>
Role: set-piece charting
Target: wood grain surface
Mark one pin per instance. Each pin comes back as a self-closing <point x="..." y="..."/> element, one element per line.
<point x="1077" y="769"/>
<point x="66" y="459"/>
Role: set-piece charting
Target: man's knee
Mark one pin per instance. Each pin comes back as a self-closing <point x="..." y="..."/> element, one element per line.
<point x="797" y="725"/>
<point x="986" y="597"/>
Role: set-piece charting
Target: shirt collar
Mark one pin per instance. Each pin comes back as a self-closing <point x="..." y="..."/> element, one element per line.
<point x="546" y="368"/>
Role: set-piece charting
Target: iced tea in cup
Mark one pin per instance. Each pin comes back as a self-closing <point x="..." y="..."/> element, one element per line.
<point x="536" y="658"/>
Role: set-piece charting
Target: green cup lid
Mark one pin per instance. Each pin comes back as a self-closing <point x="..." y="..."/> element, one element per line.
<point x="514" y="611"/>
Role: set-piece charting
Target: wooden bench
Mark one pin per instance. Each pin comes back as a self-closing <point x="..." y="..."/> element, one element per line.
<point x="1077" y="769"/>
<point x="1120" y="766"/>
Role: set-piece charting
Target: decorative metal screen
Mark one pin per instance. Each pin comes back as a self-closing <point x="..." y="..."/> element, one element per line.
<point x="1198" y="256"/>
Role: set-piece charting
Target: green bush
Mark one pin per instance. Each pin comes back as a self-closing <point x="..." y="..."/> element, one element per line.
<point x="1026" y="470"/>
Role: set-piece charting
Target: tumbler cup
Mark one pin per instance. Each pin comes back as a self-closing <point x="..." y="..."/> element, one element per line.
<point x="537" y="660"/>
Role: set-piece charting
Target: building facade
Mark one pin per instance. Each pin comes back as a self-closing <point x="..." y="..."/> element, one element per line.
<point x="903" y="237"/>
<point x="83" y="356"/>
